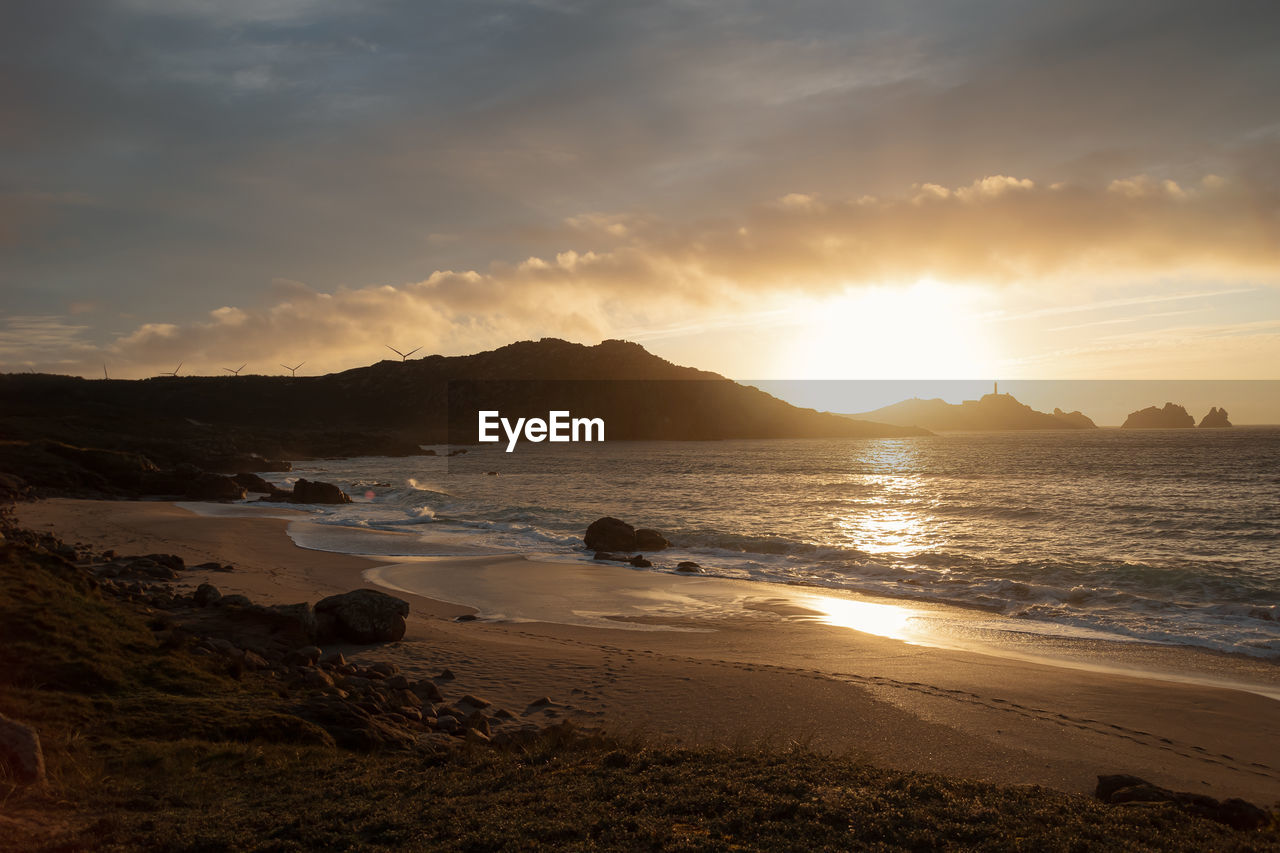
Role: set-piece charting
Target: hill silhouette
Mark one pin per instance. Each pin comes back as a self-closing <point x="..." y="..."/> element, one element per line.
<point x="392" y="407"/>
<point x="990" y="413"/>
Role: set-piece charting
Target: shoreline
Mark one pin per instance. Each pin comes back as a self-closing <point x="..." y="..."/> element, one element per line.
<point x="766" y="673"/>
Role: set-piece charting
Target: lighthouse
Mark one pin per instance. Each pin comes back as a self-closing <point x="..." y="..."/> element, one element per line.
<point x="995" y="389"/>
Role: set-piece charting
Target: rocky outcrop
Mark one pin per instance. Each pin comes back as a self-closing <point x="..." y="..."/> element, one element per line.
<point x="315" y="492"/>
<point x="20" y="751"/>
<point x="650" y="540"/>
<point x="991" y="412"/>
<point x="1121" y="789"/>
<point x="214" y="487"/>
<point x="610" y="534"/>
<point x="1076" y="419"/>
<point x="362" y="616"/>
<point x="253" y="483"/>
<point x="1216" y="419"/>
<point x="1172" y="416"/>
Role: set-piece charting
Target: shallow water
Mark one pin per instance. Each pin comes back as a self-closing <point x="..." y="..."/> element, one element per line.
<point x="1164" y="536"/>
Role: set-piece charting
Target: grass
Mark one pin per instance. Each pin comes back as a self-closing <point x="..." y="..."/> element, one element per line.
<point x="150" y="748"/>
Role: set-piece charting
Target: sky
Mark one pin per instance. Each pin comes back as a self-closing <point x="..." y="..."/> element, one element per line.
<point x="801" y="190"/>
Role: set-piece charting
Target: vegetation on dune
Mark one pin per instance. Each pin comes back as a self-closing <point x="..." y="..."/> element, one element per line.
<point x="150" y="747"/>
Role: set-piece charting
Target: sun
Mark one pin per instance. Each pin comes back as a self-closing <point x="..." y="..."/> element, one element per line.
<point x="926" y="330"/>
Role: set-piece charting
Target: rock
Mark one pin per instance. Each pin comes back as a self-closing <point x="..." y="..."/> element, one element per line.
<point x="207" y="594"/>
<point x="335" y="660"/>
<point x="1216" y="419"/>
<point x="448" y="724"/>
<point x="309" y="492"/>
<point x="234" y="601"/>
<point x="474" y="701"/>
<point x="214" y="487"/>
<point x="465" y="617"/>
<point x="446" y="675"/>
<point x="1075" y="419"/>
<point x="640" y="562"/>
<point x="20" y="750"/>
<point x="689" y="566"/>
<point x="253" y="483"/>
<point x="304" y="656"/>
<point x="385" y="668"/>
<point x="253" y="660"/>
<point x="427" y="691"/>
<point x="317" y="678"/>
<point x="404" y="699"/>
<point x="610" y="534"/>
<point x="609" y="555"/>
<point x="366" y="615"/>
<point x="1172" y="416"/>
<point x="477" y="721"/>
<point x="650" y="540"/>
<point x="397" y="682"/>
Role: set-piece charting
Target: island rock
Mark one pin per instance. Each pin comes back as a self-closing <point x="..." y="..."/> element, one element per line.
<point x="1216" y="419"/>
<point x="1172" y="416"/>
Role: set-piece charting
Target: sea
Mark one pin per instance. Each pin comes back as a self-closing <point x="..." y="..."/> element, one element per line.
<point x="1163" y="536"/>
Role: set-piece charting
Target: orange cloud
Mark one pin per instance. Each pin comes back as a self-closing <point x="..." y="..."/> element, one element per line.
<point x="627" y="272"/>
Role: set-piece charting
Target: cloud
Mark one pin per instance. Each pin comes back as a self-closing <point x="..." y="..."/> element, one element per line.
<point x="637" y="272"/>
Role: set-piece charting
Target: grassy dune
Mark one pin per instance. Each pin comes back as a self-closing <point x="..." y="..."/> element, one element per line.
<point x="150" y="747"/>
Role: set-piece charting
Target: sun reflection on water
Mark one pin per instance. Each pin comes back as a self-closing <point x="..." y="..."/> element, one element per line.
<point x="883" y="620"/>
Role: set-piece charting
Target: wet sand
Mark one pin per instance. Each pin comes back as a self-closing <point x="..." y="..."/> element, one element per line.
<point x="699" y="659"/>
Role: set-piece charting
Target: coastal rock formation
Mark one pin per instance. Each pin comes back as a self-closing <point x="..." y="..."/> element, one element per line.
<point x="650" y="540"/>
<point x="362" y="616"/>
<point x="1240" y="814"/>
<point x="610" y="534"/>
<point x="1216" y="419"/>
<point x="1077" y="418"/>
<point x="607" y="535"/>
<point x="315" y="492"/>
<point x="20" y="751"/>
<point x="992" y="412"/>
<point x="1172" y="416"/>
<point x="214" y="487"/>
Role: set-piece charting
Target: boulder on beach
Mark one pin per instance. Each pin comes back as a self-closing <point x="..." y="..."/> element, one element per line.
<point x="316" y="492"/>
<point x="610" y="534"/>
<point x="362" y="616"/>
<point x="688" y="566"/>
<point x="253" y="483"/>
<point x="214" y="487"/>
<point x="650" y="540"/>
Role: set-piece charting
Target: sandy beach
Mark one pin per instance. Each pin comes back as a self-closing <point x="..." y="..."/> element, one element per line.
<point x="713" y="660"/>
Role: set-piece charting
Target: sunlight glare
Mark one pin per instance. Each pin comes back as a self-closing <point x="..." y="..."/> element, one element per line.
<point x="927" y="330"/>
<point x="882" y="620"/>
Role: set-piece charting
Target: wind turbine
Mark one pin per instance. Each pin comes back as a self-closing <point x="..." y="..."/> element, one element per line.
<point x="174" y="372"/>
<point x="404" y="356"/>
<point x="236" y="371"/>
<point x="293" y="371"/>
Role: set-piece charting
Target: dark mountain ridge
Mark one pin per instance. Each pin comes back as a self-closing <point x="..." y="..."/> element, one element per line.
<point x="392" y="407"/>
